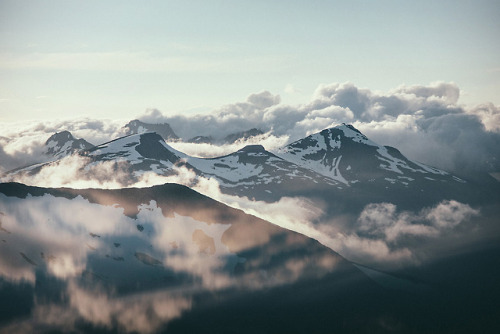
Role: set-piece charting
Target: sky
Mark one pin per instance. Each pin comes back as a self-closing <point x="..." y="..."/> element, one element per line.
<point x="116" y="59"/>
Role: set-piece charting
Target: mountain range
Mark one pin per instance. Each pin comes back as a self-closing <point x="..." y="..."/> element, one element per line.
<point x="372" y="242"/>
<point x="339" y="163"/>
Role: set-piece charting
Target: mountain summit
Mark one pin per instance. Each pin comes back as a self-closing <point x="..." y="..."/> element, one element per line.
<point x="163" y="129"/>
<point x="63" y="143"/>
<point x="343" y="153"/>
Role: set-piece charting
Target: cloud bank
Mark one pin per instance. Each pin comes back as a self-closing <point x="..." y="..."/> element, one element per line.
<point x="426" y="122"/>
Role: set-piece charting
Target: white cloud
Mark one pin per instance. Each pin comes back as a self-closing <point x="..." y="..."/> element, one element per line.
<point x="22" y="143"/>
<point x="291" y="89"/>
<point x="77" y="172"/>
<point x="449" y="214"/>
<point x="382" y="220"/>
<point x="489" y="114"/>
<point x="33" y="230"/>
<point x="205" y="150"/>
<point x="449" y="136"/>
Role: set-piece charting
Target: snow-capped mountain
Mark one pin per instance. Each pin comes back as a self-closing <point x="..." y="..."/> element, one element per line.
<point x="143" y="152"/>
<point x="339" y="166"/>
<point x="343" y="153"/>
<point x="254" y="172"/>
<point x="188" y="263"/>
<point x="63" y="143"/>
<point x="251" y="171"/>
<point x="163" y="129"/>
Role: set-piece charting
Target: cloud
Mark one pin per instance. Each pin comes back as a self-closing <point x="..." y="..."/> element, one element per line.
<point x="448" y="214"/>
<point x="264" y="100"/>
<point x="33" y="232"/>
<point x="77" y="172"/>
<point x="378" y="236"/>
<point x="205" y="150"/>
<point x="489" y="115"/>
<point x="22" y="143"/>
<point x="305" y="217"/>
<point x="61" y="238"/>
<point x="228" y="119"/>
<point x="382" y="220"/>
<point x="449" y="136"/>
<point x="291" y="89"/>
<point x="145" y="312"/>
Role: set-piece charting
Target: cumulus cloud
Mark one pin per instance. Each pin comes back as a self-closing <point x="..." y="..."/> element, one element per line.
<point x="228" y="119"/>
<point x="448" y="135"/>
<point x="489" y="115"/>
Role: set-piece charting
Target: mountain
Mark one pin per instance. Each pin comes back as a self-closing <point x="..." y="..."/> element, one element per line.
<point x="165" y="255"/>
<point x="201" y="140"/>
<point x="63" y="143"/>
<point x="140" y="152"/>
<point x="234" y="137"/>
<point x="251" y="171"/>
<point x="167" y="259"/>
<point x="163" y="129"/>
<point x="229" y="139"/>
<point x="339" y="167"/>
<point x="343" y="153"/>
<point x="374" y="173"/>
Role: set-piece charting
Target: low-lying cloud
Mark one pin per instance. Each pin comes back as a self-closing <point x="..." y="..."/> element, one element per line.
<point x="22" y="144"/>
<point x="382" y="220"/>
<point x="426" y="122"/>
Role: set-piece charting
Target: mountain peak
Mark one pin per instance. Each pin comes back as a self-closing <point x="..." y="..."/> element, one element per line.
<point x="163" y="129"/>
<point x="344" y="154"/>
<point x="139" y="150"/>
<point x="62" y="136"/>
<point x="253" y="149"/>
<point x="64" y="143"/>
<point x="349" y="131"/>
<point x="242" y="135"/>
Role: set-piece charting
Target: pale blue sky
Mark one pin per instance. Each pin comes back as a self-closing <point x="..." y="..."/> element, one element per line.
<point x="114" y="59"/>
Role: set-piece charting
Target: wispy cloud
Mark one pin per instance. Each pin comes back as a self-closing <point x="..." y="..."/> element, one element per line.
<point x="138" y="62"/>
